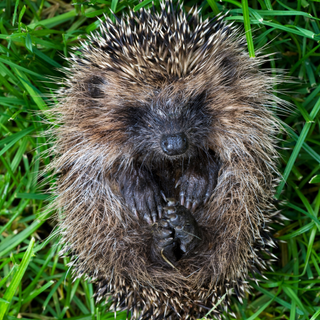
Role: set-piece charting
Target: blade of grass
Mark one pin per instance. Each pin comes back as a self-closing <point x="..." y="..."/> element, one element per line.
<point x="297" y="148"/>
<point x="16" y="279"/>
<point x="247" y="28"/>
<point x="214" y="7"/>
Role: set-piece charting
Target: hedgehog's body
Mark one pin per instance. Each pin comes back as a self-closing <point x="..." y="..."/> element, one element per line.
<point x="162" y="106"/>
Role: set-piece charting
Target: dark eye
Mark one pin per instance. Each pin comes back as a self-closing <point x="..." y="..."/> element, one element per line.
<point x="94" y="87"/>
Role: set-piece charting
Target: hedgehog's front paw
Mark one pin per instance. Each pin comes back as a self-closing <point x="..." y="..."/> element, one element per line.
<point x="197" y="184"/>
<point x="142" y="194"/>
<point x="174" y="236"/>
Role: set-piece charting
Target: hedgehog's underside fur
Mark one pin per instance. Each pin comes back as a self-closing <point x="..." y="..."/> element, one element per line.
<point x="163" y="106"/>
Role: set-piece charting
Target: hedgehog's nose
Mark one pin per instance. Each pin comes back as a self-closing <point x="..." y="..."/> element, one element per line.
<point x="174" y="144"/>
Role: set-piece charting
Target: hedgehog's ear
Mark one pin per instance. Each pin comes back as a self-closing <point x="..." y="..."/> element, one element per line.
<point x="94" y="86"/>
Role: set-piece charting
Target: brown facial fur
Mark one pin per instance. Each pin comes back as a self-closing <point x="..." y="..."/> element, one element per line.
<point x="147" y="75"/>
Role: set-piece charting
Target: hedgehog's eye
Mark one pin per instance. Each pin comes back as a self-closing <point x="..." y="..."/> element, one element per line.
<point x="94" y="84"/>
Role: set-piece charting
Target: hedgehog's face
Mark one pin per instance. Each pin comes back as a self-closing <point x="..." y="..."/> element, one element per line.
<point x="148" y="123"/>
<point x="167" y="127"/>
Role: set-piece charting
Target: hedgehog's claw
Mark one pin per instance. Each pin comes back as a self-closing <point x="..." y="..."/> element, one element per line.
<point x="147" y="218"/>
<point x="182" y="198"/>
<point x="194" y="206"/>
<point x="163" y="196"/>
<point x="160" y="211"/>
<point x="188" y="204"/>
<point x="135" y="212"/>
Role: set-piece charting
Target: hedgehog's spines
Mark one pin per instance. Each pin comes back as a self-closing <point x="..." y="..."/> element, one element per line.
<point x="110" y="35"/>
<point x="120" y="90"/>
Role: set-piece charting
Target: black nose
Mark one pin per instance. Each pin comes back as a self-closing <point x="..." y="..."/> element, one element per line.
<point x="174" y="144"/>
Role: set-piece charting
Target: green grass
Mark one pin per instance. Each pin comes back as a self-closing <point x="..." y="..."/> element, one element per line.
<point x="34" y="281"/>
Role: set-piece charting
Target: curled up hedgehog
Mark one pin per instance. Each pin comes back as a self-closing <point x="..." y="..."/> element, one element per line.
<point x="166" y="163"/>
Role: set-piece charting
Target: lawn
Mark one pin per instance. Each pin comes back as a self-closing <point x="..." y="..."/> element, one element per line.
<point x="35" y="283"/>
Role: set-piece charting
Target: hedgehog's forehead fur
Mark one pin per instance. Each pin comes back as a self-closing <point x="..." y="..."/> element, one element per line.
<point x="152" y="73"/>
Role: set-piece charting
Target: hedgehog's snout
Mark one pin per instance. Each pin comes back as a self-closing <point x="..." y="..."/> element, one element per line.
<point x="174" y="144"/>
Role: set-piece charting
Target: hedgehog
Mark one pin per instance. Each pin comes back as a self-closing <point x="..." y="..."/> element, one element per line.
<point x="166" y="163"/>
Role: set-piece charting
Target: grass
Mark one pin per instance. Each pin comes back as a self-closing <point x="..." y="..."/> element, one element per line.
<point x="34" y="281"/>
